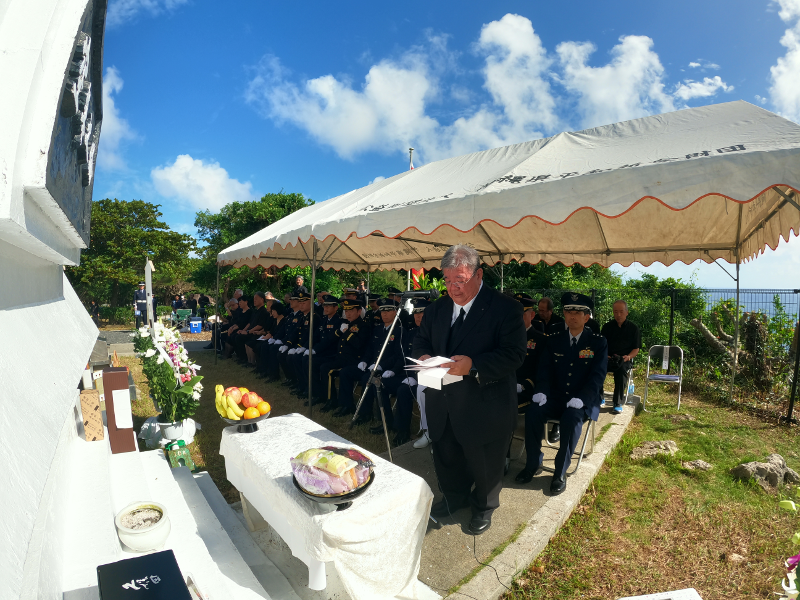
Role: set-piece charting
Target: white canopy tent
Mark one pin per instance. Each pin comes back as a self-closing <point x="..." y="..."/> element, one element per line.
<point x="716" y="182"/>
<point x="708" y="183"/>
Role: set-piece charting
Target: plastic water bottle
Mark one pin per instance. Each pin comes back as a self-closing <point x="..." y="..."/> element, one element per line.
<point x="631" y="387"/>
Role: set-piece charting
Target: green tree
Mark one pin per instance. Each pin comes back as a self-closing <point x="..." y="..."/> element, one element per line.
<point x="124" y="234"/>
<point x="233" y="223"/>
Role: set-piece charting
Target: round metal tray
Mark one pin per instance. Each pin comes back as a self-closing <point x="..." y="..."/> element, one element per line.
<point x="246" y="425"/>
<point x="343" y="501"/>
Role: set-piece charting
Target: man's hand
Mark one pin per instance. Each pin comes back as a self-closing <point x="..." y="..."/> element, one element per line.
<point x="539" y="399"/>
<point x="460" y="366"/>
<point x="519" y="388"/>
<point x="626" y="358"/>
<point x="575" y="403"/>
<point x="424" y="357"/>
<point x="388" y="374"/>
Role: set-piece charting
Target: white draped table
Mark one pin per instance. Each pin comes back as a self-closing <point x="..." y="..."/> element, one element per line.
<point x="375" y="544"/>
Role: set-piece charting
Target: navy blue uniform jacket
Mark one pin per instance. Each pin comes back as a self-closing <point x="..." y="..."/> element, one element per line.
<point x="566" y="372"/>
<point x="481" y="410"/>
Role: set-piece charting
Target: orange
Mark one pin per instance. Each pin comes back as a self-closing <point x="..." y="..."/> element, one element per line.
<point x="263" y="407"/>
<point x="251" y="413"/>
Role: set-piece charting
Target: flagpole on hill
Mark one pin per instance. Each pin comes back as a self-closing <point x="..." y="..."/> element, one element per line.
<point x="410" y="161"/>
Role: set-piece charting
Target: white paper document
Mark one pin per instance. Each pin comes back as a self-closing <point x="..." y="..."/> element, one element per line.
<point x="122" y="408"/>
<point x="430" y="374"/>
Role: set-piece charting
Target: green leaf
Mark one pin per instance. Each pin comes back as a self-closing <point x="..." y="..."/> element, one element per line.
<point x="788" y="505"/>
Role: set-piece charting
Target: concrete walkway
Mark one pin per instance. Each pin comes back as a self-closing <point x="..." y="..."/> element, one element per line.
<point x="448" y="554"/>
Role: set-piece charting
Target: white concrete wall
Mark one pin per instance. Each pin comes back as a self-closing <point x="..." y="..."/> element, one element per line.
<point x="47" y="335"/>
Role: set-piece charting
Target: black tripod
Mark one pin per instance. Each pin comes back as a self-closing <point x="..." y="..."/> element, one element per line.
<point x="377" y="384"/>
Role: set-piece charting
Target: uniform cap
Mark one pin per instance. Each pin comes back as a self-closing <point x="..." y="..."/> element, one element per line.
<point x="394" y="291"/>
<point x="420" y="304"/>
<point x="521" y="295"/>
<point x="347" y="303"/>
<point x="303" y="295"/>
<point x="296" y="291"/>
<point x="527" y="303"/>
<point x="374" y="296"/>
<point x="576" y="301"/>
<point x="386" y="304"/>
<point x="328" y="299"/>
<point x="142" y="283"/>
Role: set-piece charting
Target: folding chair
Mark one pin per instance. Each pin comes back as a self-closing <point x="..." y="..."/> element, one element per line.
<point x="182" y="317"/>
<point x="662" y="355"/>
<point x="589" y="428"/>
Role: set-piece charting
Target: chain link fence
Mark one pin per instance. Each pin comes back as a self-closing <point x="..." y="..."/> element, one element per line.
<point x="703" y="323"/>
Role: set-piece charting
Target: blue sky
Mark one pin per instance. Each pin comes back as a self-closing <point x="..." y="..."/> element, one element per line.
<point x="206" y="103"/>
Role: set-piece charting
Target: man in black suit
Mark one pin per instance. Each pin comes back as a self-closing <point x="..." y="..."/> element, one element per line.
<point x="568" y="384"/>
<point x="471" y="421"/>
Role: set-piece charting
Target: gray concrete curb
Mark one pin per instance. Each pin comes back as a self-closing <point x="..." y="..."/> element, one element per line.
<point x="547" y="520"/>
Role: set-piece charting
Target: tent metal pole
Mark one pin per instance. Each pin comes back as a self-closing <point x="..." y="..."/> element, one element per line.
<point x="216" y="320"/>
<point x="408" y="280"/>
<point x="736" y="330"/>
<point x="313" y="262"/>
<point x="502" y="275"/>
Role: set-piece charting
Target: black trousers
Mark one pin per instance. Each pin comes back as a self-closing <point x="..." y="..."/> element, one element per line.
<point x="621" y="376"/>
<point x="459" y="467"/>
<point x="571" y="421"/>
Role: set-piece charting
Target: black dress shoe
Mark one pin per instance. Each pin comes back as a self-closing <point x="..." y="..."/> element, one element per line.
<point x="378" y="430"/>
<point x="525" y="475"/>
<point x="287" y="382"/>
<point x="558" y="485"/>
<point x="343" y="412"/>
<point x="362" y="420"/>
<point x="478" y="526"/>
<point x="401" y="438"/>
<point x="441" y="510"/>
<point x="555" y="434"/>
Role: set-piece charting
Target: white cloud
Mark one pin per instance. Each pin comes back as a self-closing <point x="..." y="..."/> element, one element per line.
<point x="122" y="11"/>
<point x="115" y="130"/>
<point x="388" y="112"/>
<point x="377" y="179"/>
<point x="701" y="89"/>
<point x="199" y="184"/>
<point x="628" y="87"/>
<point x="703" y="64"/>
<point x="761" y="99"/>
<point x="785" y="74"/>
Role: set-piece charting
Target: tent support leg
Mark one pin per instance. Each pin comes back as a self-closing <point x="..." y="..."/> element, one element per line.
<point x="735" y="362"/>
<point x="313" y="262"/>
<point x="216" y="320"/>
<point x="502" y="275"/>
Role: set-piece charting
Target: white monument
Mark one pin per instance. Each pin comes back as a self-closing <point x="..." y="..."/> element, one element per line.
<point x="51" y="58"/>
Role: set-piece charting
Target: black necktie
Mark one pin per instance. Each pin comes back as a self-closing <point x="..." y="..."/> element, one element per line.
<point x="454" y="329"/>
<point x="574" y="342"/>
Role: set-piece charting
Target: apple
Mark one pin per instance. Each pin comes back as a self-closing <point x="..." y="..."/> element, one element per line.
<point x="250" y="399"/>
<point x="234" y="394"/>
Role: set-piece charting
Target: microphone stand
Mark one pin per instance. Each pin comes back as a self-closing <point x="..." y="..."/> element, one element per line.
<point x="375" y="381"/>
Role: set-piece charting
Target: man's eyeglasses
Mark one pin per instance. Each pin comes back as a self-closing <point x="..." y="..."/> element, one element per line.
<point x="459" y="284"/>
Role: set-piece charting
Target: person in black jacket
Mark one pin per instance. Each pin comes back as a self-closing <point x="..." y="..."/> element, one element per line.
<point x="568" y="384"/>
<point x="624" y="343"/>
<point x="386" y="368"/>
<point x="94" y="311"/>
<point x="325" y="345"/>
<point x="267" y="364"/>
<point x="471" y="421"/>
<point x="140" y="305"/>
<point x="545" y="314"/>
<point x="407" y="391"/>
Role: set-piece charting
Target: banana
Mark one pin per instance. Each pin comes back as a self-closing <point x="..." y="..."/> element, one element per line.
<point x="232" y="415"/>
<point x="220" y="402"/>
<point x="234" y="407"/>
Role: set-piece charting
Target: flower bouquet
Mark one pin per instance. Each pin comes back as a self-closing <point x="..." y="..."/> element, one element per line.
<point x="172" y="376"/>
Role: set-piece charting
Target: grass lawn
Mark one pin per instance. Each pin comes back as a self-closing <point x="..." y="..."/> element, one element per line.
<point x="650" y="526"/>
<point x="205" y="448"/>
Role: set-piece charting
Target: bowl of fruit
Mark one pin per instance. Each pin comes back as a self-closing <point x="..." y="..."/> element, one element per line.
<point x="240" y="406"/>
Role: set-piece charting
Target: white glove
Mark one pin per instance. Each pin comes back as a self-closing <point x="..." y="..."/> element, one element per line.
<point x="301" y="349"/>
<point x="362" y="365"/>
<point x="410" y="381"/>
<point x="372" y="366"/>
<point x="388" y="374"/>
<point x="282" y="348"/>
<point x="278" y="342"/>
<point x="344" y="326"/>
<point x="519" y="388"/>
<point x="271" y="341"/>
<point x="575" y="403"/>
<point x="292" y="351"/>
<point x="540" y="399"/>
<point x="306" y="353"/>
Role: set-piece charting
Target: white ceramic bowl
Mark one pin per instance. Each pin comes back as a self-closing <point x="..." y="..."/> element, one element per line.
<point x="150" y="538"/>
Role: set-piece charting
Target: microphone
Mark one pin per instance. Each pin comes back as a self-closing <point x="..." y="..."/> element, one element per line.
<point x="429" y="294"/>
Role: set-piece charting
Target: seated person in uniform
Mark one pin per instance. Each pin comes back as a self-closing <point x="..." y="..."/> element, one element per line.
<point x="408" y="391"/>
<point x="569" y="379"/>
<point x="624" y="342"/>
<point x="545" y="315"/>
<point x="240" y="321"/>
